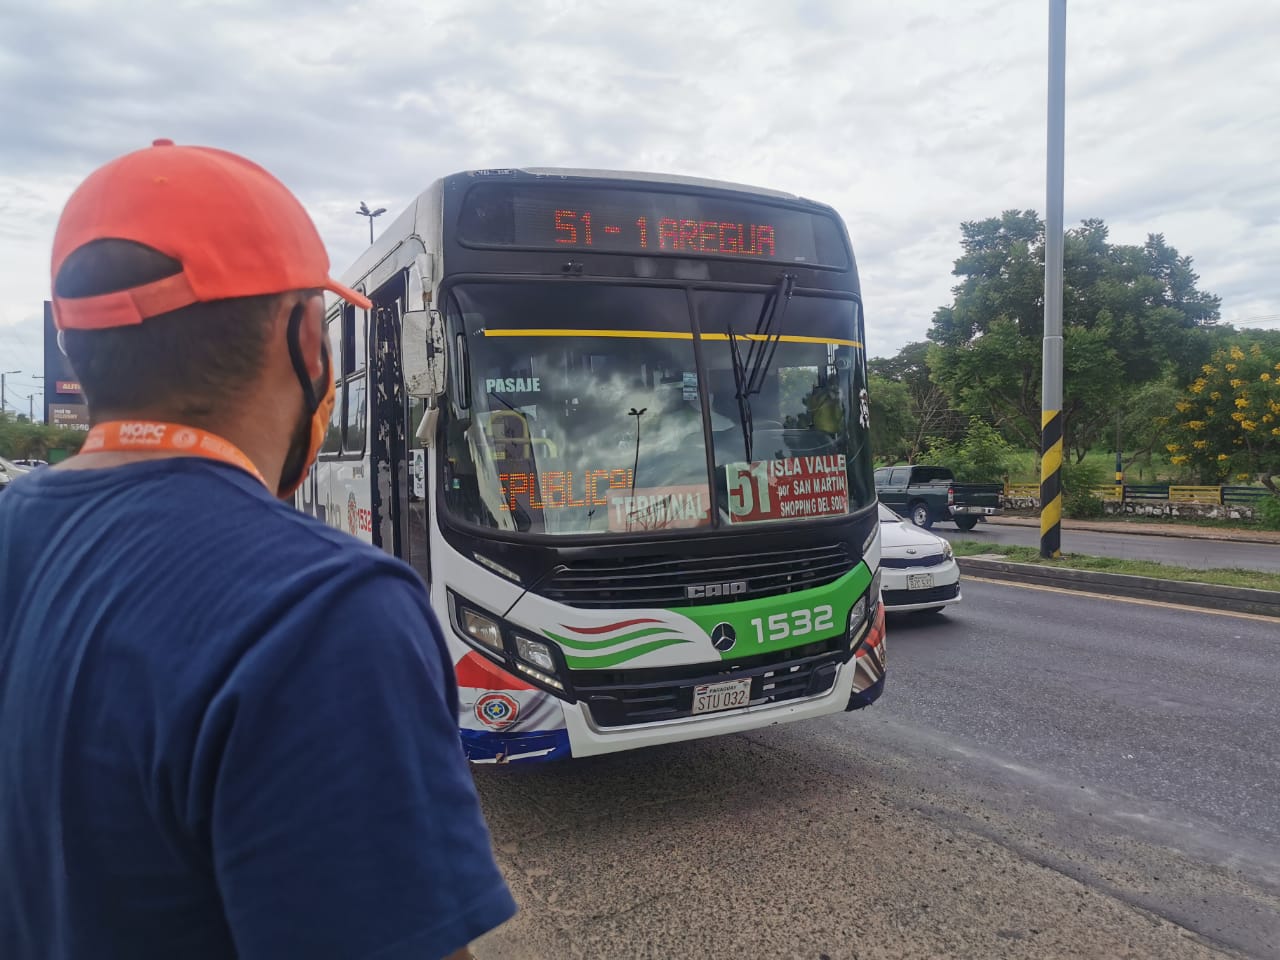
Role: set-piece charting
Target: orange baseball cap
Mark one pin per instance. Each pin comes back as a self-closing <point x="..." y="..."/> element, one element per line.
<point x="236" y="230"/>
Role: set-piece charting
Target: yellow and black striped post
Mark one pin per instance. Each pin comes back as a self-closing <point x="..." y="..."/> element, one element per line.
<point x="1051" y="484"/>
<point x="1051" y="368"/>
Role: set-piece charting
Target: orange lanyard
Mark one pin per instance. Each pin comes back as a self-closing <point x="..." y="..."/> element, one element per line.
<point x="132" y="436"/>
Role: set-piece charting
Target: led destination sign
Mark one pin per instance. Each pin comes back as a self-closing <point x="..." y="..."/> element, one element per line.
<point x="622" y="220"/>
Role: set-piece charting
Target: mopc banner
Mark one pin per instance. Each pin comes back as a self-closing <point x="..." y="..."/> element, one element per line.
<point x="792" y="488"/>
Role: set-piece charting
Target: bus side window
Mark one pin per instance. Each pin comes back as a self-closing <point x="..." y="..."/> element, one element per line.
<point x="417" y="410"/>
<point x="334" y="329"/>
<point x="356" y="418"/>
<point x="333" y="436"/>
<point x="352" y="340"/>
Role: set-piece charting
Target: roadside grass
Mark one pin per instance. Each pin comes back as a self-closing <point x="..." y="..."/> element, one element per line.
<point x="1254" y="579"/>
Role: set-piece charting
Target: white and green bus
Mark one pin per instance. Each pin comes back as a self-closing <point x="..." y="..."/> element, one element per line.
<point x="618" y="423"/>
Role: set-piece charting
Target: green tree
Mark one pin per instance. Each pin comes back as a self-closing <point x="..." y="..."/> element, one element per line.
<point x="1228" y="422"/>
<point x="892" y="421"/>
<point x="929" y="413"/>
<point x="1145" y="417"/>
<point x="1079" y="479"/>
<point x="1130" y="315"/>
<point x="20" y="439"/>
<point x="982" y="456"/>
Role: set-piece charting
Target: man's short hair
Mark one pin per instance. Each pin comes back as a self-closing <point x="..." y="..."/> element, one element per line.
<point x="193" y="364"/>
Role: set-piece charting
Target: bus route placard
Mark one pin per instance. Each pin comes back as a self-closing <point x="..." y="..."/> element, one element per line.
<point x="794" y="488"/>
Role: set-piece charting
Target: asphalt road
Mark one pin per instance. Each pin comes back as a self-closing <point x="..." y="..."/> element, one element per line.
<point x="1048" y="775"/>
<point x="1180" y="551"/>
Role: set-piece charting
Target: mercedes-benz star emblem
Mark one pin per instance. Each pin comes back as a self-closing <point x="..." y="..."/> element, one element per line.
<point x="723" y="637"/>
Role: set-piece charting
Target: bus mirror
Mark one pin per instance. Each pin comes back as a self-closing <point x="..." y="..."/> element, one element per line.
<point x="422" y="352"/>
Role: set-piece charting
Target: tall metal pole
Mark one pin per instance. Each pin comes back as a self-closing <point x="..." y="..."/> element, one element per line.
<point x="4" y="404"/>
<point x="1119" y="453"/>
<point x="1051" y="372"/>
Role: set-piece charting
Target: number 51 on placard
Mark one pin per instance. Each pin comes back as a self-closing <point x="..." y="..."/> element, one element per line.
<point x="748" y="485"/>
<point x="797" y="623"/>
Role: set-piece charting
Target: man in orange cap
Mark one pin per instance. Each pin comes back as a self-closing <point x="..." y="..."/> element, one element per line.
<point x="227" y="730"/>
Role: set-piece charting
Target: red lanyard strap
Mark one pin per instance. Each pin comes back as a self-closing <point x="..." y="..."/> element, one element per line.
<point x="133" y="436"/>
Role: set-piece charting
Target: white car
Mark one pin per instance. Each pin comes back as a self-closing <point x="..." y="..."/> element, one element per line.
<point x="918" y="570"/>
<point x="9" y="471"/>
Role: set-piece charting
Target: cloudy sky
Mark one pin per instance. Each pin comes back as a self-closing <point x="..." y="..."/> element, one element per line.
<point x="908" y="116"/>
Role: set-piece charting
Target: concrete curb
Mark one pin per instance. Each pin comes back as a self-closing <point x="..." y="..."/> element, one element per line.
<point x="1239" y="599"/>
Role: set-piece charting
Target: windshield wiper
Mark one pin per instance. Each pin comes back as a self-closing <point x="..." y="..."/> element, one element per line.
<point x="739" y="384"/>
<point x="749" y="375"/>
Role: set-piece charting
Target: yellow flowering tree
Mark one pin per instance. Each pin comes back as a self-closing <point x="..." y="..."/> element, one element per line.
<point x="1228" y="422"/>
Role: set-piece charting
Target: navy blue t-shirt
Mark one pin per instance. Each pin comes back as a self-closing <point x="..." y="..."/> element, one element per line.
<point x="226" y="730"/>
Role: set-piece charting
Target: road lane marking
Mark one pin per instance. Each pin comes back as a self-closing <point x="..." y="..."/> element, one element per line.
<point x="1260" y="618"/>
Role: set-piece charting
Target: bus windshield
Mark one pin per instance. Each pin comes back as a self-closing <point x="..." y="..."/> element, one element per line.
<point x="584" y="410"/>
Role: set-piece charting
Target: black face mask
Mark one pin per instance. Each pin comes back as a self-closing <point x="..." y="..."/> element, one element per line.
<point x="308" y="434"/>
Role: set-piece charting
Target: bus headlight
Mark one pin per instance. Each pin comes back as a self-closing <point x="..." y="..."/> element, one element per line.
<point x="484" y="630"/>
<point x="535" y="652"/>
<point x="857" y="617"/>
<point x="543" y="662"/>
<point x="867" y="604"/>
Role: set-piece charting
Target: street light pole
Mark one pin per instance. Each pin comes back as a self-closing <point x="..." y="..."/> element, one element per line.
<point x="364" y="211"/>
<point x="4" y="406"/>
<point x="39" y="379"/>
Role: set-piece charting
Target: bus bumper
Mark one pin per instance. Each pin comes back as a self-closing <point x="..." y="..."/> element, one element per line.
<point x="871" y="659"/>
<point x="858" y="682"/>
<point x="485" y="747"/>
<point x="567" y="730"/>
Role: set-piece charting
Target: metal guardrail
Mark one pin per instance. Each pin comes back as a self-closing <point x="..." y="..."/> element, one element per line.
<point x="1194" y="494"/>
<point x="1244" y="495"/>
<point x="1172" y="493"/>
<point x="1146" y="491"/>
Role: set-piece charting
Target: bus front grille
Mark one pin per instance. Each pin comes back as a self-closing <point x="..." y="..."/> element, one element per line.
<point x="663" y="581"/>
<point x="617" y="698"/>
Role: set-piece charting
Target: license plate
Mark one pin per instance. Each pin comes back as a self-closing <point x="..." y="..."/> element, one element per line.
<point x="710" y="697"/>
<point x="919" y="581"/>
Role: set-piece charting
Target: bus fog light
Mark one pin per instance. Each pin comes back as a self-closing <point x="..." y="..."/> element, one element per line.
<point x="480" y="628"/>
<point x="536" y="652"/>
<point x="538" y="675"/>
